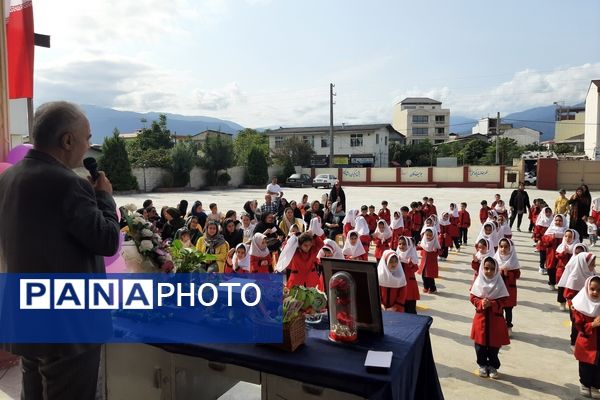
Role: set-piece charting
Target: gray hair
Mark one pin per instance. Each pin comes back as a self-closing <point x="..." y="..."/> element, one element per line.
<point x="54" y="119"/>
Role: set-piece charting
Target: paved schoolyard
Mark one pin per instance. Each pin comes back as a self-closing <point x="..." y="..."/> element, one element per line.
<point x="538" y="363"/>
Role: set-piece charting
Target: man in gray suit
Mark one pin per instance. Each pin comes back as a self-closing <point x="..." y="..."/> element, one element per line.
<point x="76" y="224"/>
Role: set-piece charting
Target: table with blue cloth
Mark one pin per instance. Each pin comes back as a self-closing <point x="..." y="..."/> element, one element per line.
<point x="341" y="366"/>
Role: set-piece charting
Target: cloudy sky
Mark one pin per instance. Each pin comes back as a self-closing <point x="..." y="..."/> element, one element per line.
<point x="268" y="63"/>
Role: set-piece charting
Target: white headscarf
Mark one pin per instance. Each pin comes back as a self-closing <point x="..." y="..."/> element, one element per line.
<point x="510" y="261"/>
<point x="492" y="237"/>
<point x="356" y="250"/>
<point x="584" y="303"/>
<point x="435" y="225"/>
<point x="443" y="222"/>
<point x="397" y="223"/>
<point x="410" y="255"/>
<point x="543" y="220"/>
<point x="577" y="271"/>
<point x="430" y="245"/>
<point x="333" y="247"/>
<point x="491" y="215"/>
<point x="361" y="226"/>
<point x="387" y="278"/>
<point x="350" y="217"/>
<point x="453" y="211"/>
<point x="504" y="230"/>
<point x="491" y="289"/>
<point x="287" y="254"/>
<point x="555" y="230"/>
<point x="315" y="226"/>
<point x="244" y="263"/>
<point x="254" y="249"/>
<point x="564" y="246"/>
<point x="490" y="250"/>
<point x="387" y="231"/>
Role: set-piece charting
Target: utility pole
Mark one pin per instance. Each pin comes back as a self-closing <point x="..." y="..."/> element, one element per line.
<point x="331" y="94"/>
<point x="4" y="135"/>
<point x="497" y="137"/>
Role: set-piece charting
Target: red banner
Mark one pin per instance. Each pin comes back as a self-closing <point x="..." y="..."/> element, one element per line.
<point x="20" y="42"/>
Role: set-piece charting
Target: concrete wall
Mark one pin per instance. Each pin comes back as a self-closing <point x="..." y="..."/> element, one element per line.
<point x="354" y="174"/>
<point x="572" y="173"/>
<point x="414" y="174"/>
<point x="274" y="170"/>
<point x="332" y="171"/>
<point x="154" y="177"/>
<point x="198" y="178"/>
<point x="383" y="175"/>
<point x="592" y="123"/>
<point x="448" y="174"/>
<point x="484" y="174"/>
<point x="238" y="176"/>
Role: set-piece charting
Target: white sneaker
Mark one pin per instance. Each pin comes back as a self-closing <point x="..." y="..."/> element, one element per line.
<point x="584" y="391"/>
<point x="493" y="373"/>
<point x="541" y="270"/>
<point x="551" y="287"/>
<point x="483" y="372"/>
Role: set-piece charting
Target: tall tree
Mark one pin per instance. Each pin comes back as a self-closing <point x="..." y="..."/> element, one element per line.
<point x="216" y="154"/>
<point x="157" y="136"/>
<point x="247" y="139"/>
<point x="257" y="171"/>
<point x="294" y="148"/>
<point x="115" y="163"/>
<point x="183" y="158"/>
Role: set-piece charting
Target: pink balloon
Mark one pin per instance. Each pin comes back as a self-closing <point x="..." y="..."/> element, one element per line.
<point x="109" y="260"/>
<point x="18" y="153"/>
<point x="4" y="166"/>
<point x="117" y="267"/>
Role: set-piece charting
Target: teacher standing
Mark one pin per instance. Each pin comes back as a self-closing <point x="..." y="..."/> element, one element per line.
<point x="580" y="204"/>
<point x="519" y="204"/>
<point x="80" y="226"/>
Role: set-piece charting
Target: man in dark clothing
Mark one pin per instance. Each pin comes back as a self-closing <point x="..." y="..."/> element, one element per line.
<point x="519" y="204"/>
<point x="337" y="194"/>
<point x="79" y="227"/>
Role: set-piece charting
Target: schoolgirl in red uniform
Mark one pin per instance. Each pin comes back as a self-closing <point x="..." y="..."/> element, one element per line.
<point x="464" y="222"/>
<point x="362" y="228"/>
<point x="300" y="257"/>
<point x="550" y="241"/>
<point x="564" y="252"/>
<point x="483" y="249"/>
<point x="353" y="248"/>
<point x="416" y="221"/>
<point x="510" y="271"/>
<point x="392" y="282"/>
<point x="397" y="227"/>
<point x="586" y="311"/>
<point x="444" y="235"/>
<point x="407" y="221"/>
<point x="542" y="223"/>
<point x="407" y="255"/>
<point x="261" y="260"/>
<point x="489" y="331"/>
<point x="349" y="221"/>
<point x="504" y="230"/>
<point x="428" y="266"/>
<point x="454" y="228"/>
<point x="382" y="238"/>
<point x="241" y="259"/>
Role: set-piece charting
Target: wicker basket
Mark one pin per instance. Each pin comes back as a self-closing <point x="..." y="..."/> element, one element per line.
<point x="294" y="335"/>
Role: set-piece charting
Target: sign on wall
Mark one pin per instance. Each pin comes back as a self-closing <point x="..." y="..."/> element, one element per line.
<point x="415" y="174"/>
<point x="484" y="174"/>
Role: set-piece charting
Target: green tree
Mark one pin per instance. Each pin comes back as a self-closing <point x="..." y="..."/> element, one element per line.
<point x="257" y="171"/>
<point x="296" y="149"/>
<point x="562" y="148"/>
<point x="183" y="158"/>
<point x="157" y="136"/>
<point x="472" y="151"/>
<point x="115" y="163"/>
<point x="216" y="154"/>
<point x="507" y="150"/>
<point x="288" y="169"/>
<point x="247" y="139"/>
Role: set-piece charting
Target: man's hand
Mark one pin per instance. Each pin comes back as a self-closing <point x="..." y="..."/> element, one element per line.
<point x="102" y="184"/>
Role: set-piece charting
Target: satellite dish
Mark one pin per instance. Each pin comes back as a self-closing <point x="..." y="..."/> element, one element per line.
<point x="408" y="163"/>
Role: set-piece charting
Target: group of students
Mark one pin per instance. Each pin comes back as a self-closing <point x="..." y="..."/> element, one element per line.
<point x="407" y="242"/>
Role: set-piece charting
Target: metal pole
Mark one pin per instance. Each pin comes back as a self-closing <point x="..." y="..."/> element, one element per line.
<point x="4" y="132"/>
<point x="497" y="137"/>
<point x="331" y="86"/>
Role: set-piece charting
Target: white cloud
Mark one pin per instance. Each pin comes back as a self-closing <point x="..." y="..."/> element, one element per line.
<point x="218" y="99"/>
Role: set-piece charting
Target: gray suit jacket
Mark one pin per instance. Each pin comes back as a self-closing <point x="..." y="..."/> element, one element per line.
<point x="51" y="221"/>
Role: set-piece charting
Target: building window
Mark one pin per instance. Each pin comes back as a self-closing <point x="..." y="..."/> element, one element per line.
<point x="386" y="142"/>
<point x="377" y="138"/>
<point x="278" y="141"/>
<point x="439" y="141"/>
<point x="440" y="131"/>
<point x="440" y="119"/>
<point x="420" y="119"/>
<point x="324" y="141"/>
<point x="420" y="131"/>
<point x="356" y="140"/>
<point x="310" y="140"/>
<point x="410" y="107"/>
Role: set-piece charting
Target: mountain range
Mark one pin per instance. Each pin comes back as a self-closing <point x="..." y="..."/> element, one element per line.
<point x="104" y="120"/>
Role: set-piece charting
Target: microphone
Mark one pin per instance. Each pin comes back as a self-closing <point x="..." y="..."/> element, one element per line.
<point x="92" y="166"/>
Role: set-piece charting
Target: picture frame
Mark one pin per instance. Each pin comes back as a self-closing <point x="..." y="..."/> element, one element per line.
<point x="368" y="296"/>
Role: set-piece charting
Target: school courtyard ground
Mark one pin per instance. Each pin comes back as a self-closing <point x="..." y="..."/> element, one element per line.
<point x="538" y="364"/>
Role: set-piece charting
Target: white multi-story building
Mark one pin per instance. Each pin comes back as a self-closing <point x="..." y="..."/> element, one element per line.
<point x="420" y="118"/>
<point x="592" y="121"/>
<point x="523" y="136"/>
<point x="487" y="126"/>
<point x="361" y="145"/>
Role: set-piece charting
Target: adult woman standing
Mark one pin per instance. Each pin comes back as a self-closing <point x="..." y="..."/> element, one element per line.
<point x="337" y="194"/>
<point x="580" y="204"/>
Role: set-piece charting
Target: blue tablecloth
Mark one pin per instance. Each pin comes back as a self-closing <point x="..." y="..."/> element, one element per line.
<point x="341" y="367"/>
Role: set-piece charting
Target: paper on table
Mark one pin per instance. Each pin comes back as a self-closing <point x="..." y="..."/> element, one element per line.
<point x="379" y="359"/>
